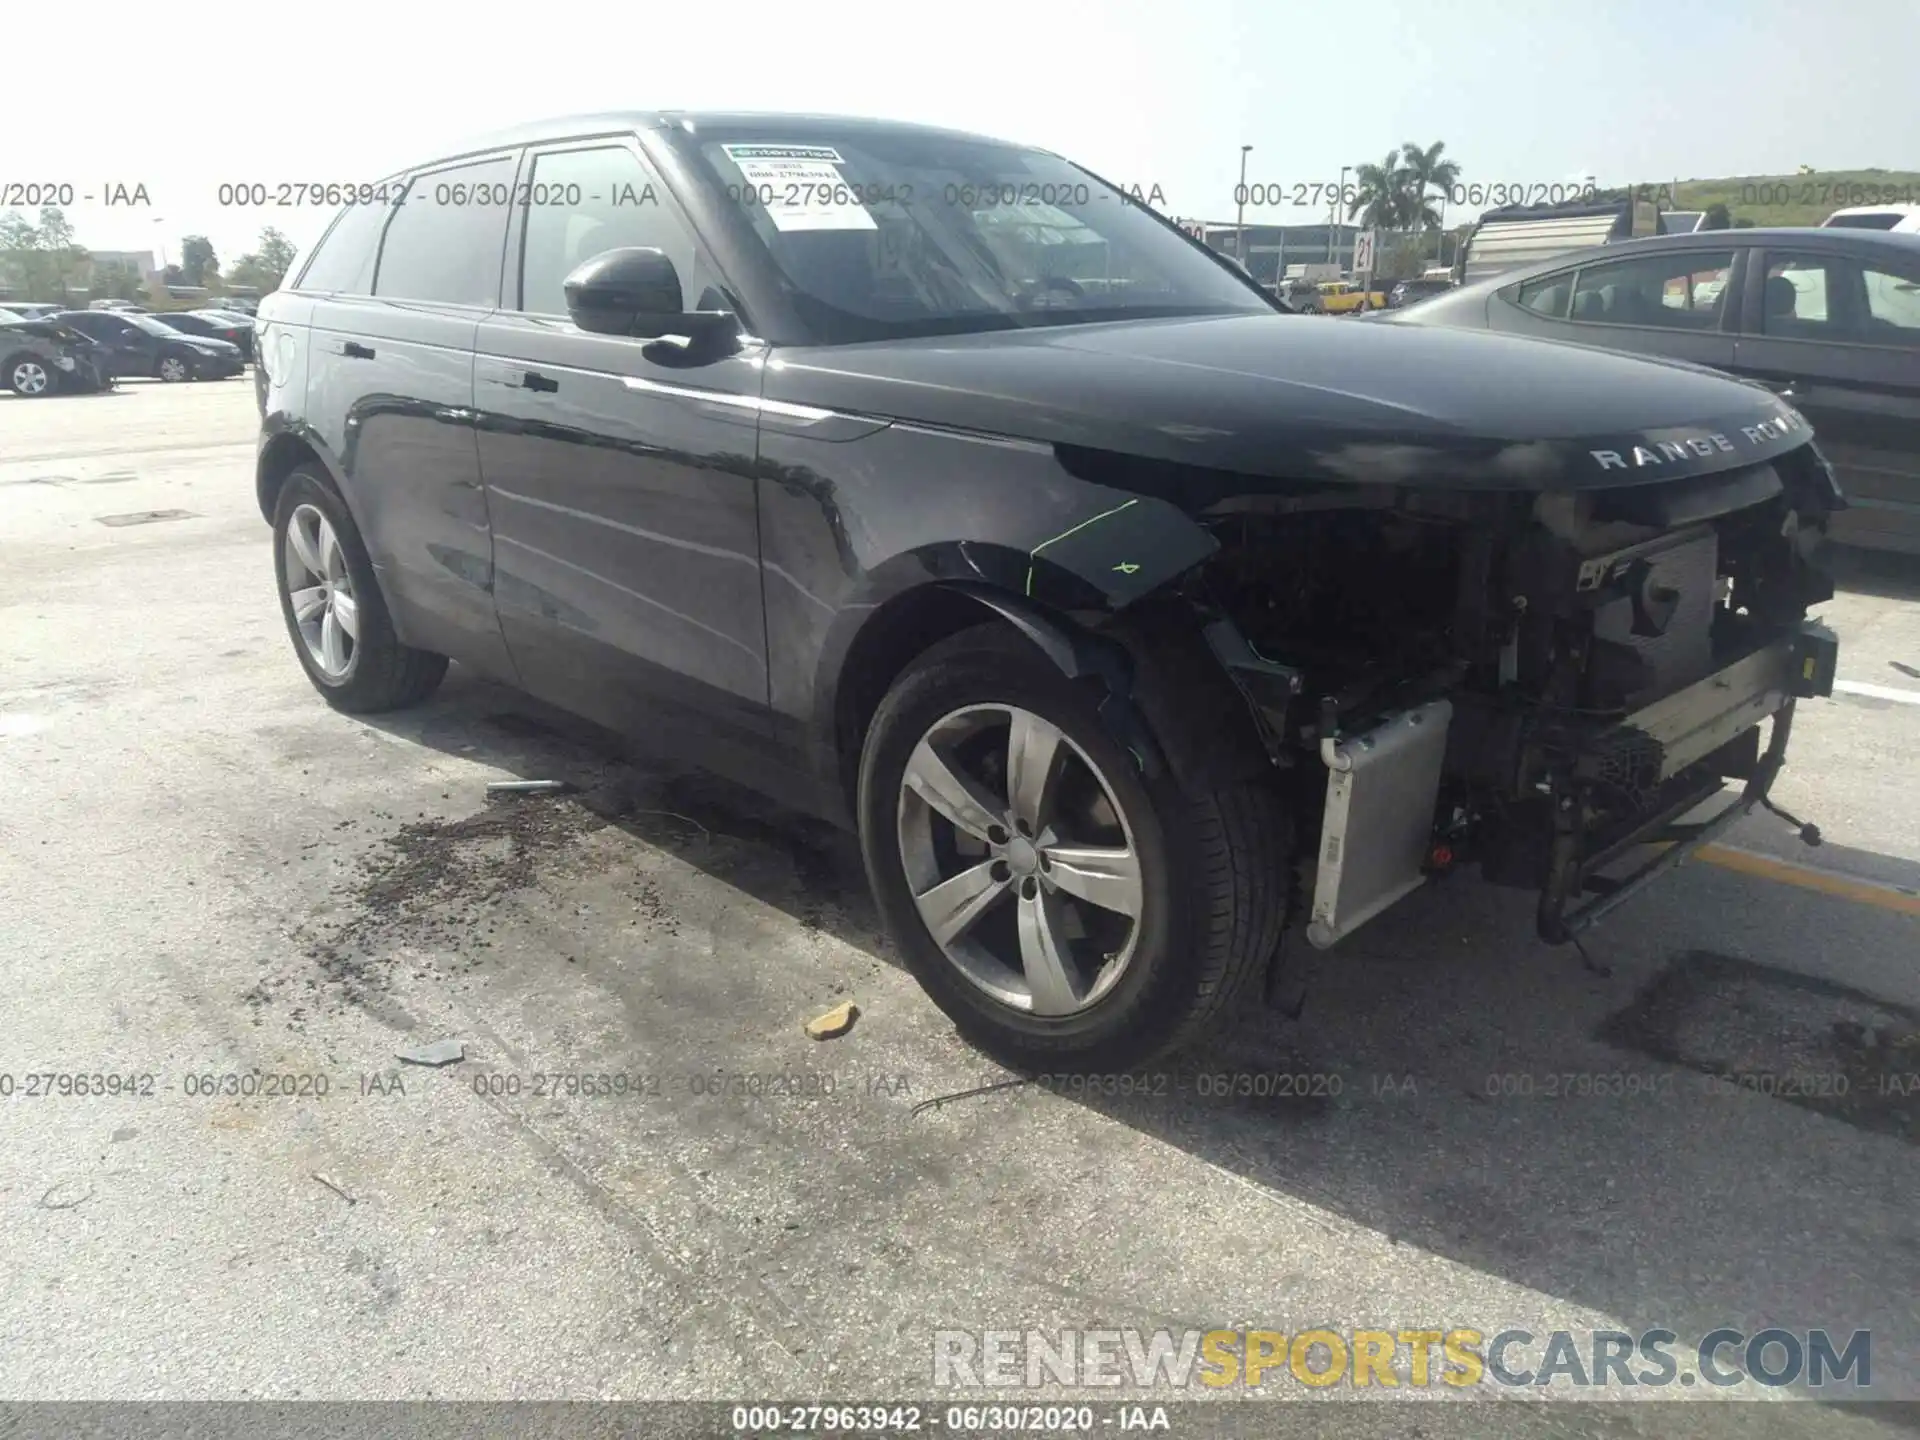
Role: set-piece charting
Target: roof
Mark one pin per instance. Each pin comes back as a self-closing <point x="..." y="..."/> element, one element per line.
<point x="1878" y="210"/>
<point x="1835" y="237"/>
<point x="610" y="122"/>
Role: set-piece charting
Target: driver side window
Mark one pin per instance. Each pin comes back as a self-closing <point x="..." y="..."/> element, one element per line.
<point x="582" y="202"/>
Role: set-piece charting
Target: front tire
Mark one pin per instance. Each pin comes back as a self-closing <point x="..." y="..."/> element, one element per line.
<point x="1064" y="911"/>
<point x="336" y="616"/>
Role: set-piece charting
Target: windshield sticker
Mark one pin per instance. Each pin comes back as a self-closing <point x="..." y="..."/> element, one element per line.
<point x="800" y="187"/>
<point x="737" y="153"/>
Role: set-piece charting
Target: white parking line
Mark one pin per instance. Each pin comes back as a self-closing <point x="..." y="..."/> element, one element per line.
<point x="1878" y="692"/>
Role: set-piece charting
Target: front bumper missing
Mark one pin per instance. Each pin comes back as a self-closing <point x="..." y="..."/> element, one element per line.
<point x="1672" y="737"/>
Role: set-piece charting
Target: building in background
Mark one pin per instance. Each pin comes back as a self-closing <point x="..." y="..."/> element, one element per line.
<point x="139" y="262"/>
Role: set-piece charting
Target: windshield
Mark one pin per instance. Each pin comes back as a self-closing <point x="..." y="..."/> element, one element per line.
<point x="884" y="232"/>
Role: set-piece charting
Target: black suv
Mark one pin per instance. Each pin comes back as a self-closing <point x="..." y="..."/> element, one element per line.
<point x="926" y="482"/>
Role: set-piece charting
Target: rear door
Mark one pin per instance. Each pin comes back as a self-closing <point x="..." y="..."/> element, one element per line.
<point x="1839" y="338"/>
<point x="1670" y="304"/>
<point x="390" y="391"/>
<point x="620" y="475"/>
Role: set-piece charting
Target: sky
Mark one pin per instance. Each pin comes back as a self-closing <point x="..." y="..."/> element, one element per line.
<point x="1527" y="92"/>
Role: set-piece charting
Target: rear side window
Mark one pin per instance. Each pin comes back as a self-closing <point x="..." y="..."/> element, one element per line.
<point x="444" y="243"/>
<point x="343" y="263"/>
<point x="1680" y="291"/>
<point x="1546" y="296"/>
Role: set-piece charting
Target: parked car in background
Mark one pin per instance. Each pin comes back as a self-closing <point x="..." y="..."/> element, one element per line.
<point x="33" y="310"/>
<point x="127" y="306"/>
<point x="1301" y="297"/>
<point x="236" y="330"/>
<point x="1113" y="620"/>
<point x="1827" y="317"/>
<point x="44" y="357"/>
<point x="234" y="304"/>
<point x="144" y="345"/>
<point x="1902" y="219"/>
<point x="1344" y="297"/>
<point x="1408" y="292"/>
<point x="7" y="315"/>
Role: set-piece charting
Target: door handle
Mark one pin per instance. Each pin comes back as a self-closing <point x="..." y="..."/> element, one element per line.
<point x="353" y="350"/>
<point x="534" y="380"/>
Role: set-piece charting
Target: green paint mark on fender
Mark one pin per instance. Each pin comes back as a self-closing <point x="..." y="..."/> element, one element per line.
<point x="1075" y="530"/>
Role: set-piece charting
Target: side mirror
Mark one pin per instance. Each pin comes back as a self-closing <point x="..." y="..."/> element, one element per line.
<point x="636" y="291"/>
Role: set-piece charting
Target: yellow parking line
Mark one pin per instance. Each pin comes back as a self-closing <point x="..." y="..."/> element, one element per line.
<point x="1826" y="882"/>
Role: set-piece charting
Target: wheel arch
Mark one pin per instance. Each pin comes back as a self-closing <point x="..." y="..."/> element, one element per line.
<point x="1164" y="697"/>
<point x="285" y="451"/>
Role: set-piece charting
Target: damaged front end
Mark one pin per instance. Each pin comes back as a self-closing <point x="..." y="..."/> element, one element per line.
<point x="1537" y="683"/>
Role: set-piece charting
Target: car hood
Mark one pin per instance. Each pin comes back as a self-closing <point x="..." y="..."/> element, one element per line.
<point x="1306" y="398"/>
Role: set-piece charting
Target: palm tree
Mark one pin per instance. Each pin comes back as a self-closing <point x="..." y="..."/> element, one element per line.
<point x="1381" y="200"/>
<point x="1426" y="173"/>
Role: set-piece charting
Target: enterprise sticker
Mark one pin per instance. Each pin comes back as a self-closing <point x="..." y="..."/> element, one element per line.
<point x="801" y="187"/>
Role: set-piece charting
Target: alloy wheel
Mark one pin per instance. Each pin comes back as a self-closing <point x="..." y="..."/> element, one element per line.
<point x="30" y="378"/>
<point x="1020" y="859"/>
<point x="173" y="368"/>
<point x="320" y="590"/>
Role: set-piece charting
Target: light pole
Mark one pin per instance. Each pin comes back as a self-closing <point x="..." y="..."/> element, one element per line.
<point x="1339" y="199"/>
<point x="1240" y="223"/>
<point x="160" y="275"/>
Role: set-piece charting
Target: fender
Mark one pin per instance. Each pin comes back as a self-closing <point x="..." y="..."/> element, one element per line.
<point x="1081" y="654"/>
<point x="278" y="437"/>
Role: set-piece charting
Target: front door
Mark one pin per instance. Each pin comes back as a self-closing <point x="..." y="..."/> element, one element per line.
<point x="1839" y="339"/>
<point x="135" y="351"/>
<point x="620" y="479"/>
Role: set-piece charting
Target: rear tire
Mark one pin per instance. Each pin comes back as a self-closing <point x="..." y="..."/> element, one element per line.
<point x="1213" y="868"/>
<point x="337" y="618"/>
